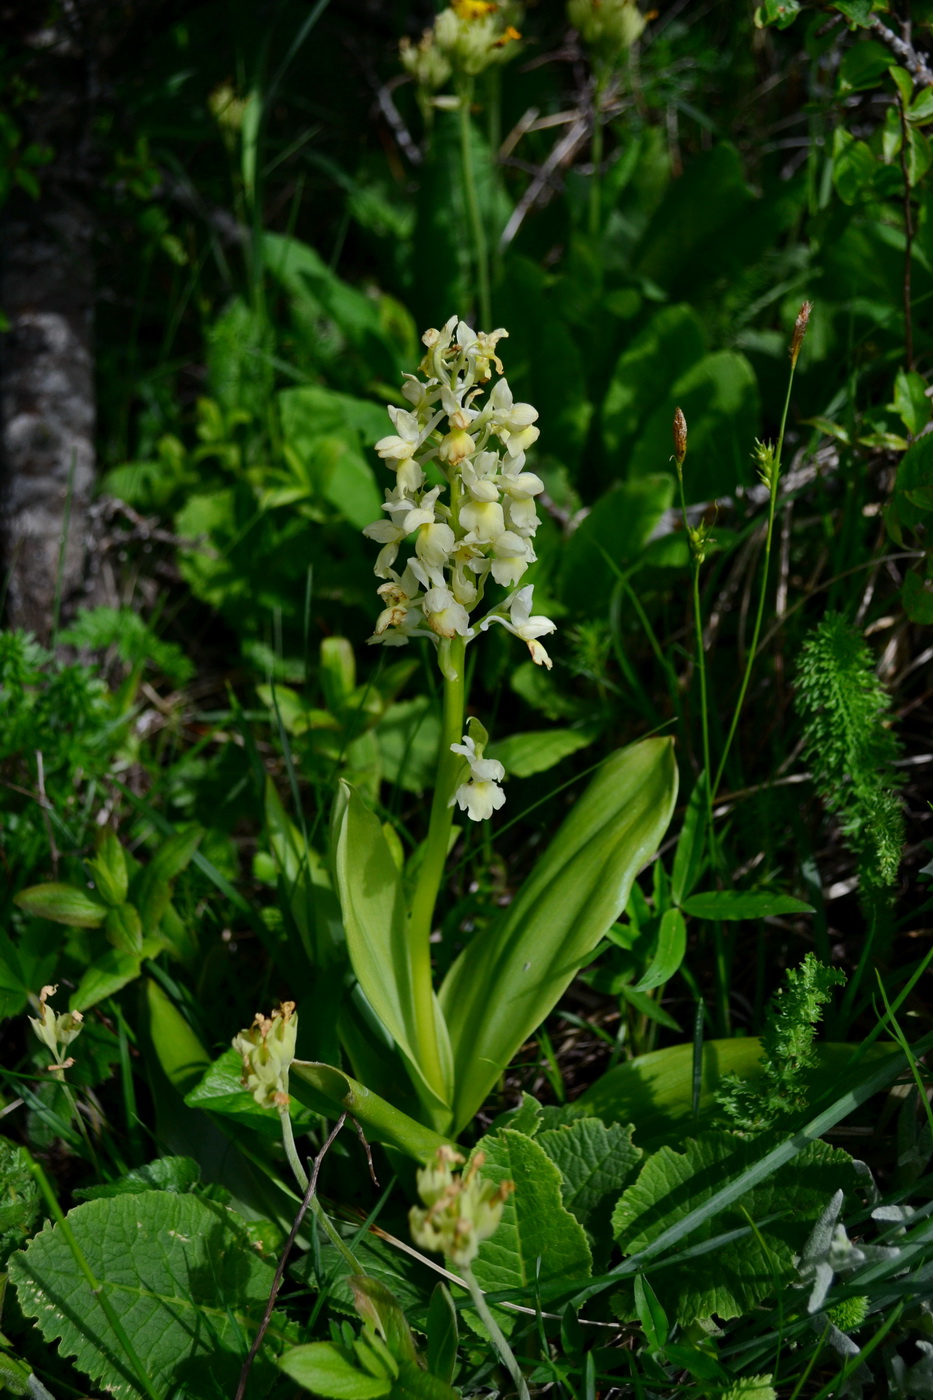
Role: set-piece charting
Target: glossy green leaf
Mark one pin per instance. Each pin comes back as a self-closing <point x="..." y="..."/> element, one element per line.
<point x="669" y="954"/>
<point x="373" y="906"/>
<point x="512" y="974"/>
<point x="327" y="1090"/>
<point x="853" y="166"/>
<point x="863" y="66"/>
<point x="741" y="904"/>
<point x="63" y="904"/>
<point x="178" y="1049"/>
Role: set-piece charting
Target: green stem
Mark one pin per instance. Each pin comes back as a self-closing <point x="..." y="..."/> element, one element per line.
<point x="495" y="1332"/>
<point x="596" y="151"/>
<point x="434" y="859"/>
<point x="477" y="232"/>
<point x="318" y="1211"/>
<point x="719" y="952"/>
<point x="98" y="1289"/>
<point x="772" y="503"/>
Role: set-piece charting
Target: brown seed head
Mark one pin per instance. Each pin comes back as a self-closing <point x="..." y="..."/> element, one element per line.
<point x="680" y="436"/>
<point x="800" y="330"/>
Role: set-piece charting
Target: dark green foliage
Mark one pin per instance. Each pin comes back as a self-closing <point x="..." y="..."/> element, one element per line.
<point x="850" y="746"/>
<point x="784" y="1090"/>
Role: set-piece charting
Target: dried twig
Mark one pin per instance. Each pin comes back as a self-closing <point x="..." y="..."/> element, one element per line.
<point x="280" y="1268"/>
<point x="917" y="64"/>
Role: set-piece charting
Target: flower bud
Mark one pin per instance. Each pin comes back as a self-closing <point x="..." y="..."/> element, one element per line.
<point x="800" y="330"/>
<point x="461" y="1211"/>
<point x="56" y="1032"/>
<point x="267" y="1049"/>
<point x="680" y="437"/>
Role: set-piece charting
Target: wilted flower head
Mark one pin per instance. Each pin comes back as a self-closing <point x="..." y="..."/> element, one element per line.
<point x="267" y="1049"/>
<point x="56" y="1032"/>
<point x="680" y="437"/>
<point x="461" y="1210"/>
<point x="608" y="27"/>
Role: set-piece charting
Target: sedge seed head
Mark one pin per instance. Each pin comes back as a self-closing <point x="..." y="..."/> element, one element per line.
<point x="680" y="437"/>
<point x="800" y="330"/>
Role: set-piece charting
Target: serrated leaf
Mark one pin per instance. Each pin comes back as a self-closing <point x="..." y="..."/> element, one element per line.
<point x="594" y="1162"/>
<point x="578" y="888"/>
<point x="181" y="1275"/>
<point x="537" y="1239"/>
<point x="176" y="1174"/>
<point x="751" y="1388"/>
<point x="742" y="904"/>
<point x="732" y="1280"/>
<point x="63" y="904"/>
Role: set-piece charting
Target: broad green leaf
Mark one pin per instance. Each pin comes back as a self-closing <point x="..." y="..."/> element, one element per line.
<point x="443" y="1335"/>
<point x="732" y="1280"/>
<point x="903" y="82"/>
<point x="327" y="1090"/>
<point x="373" y="906"/>
<point x="177" y="1174"/>
<point x="655" y="1091"/>
<point x="669" y="954"/>
<point x="221" y="1091"/>
<point x="751" y="1388"/>
<point x="612" y="536"/>
<point x="108" y="867"/>
<point x="921" y="109"/>
<point x="913" y="486"/>
<point x="719" y="397"/>
<point x="917" y="595"/>
<point x="594" y="1162"/>
<point x="321" y="432"/>
<point x="175" y="854"/>
<point x="408" y="734"/>
<point x="377" y="1304"/>
<point x="857" y="12"/>
<point x="741" y="904"/>
<point x="332" y="1371"/>
<point x="670" y="344"/>
<point x="538" y="1240"/>
<point x="178" y="1049"/>
<point x="863" y="66"/>
<point x="512" y="974"/>
<point x="181" y="1274"/>
<point x="338" y="670"/>
<point x="63" y="904"/>
<point x="106" y="975"/>
<point x="697" y="222"/>
<point x="919" y="156"/>
<point x="522" y="755"/>
<point x="911" y="402"/>
<point x="853" y="166"/>
<point x="124" y="929"/>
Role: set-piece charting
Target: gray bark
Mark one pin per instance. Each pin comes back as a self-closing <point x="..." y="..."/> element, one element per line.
<point x="47" y="408"/>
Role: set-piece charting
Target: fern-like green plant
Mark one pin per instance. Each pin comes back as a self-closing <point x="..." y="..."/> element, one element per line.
<point x="850" y="747"/>
<point x="788" y="1047"/>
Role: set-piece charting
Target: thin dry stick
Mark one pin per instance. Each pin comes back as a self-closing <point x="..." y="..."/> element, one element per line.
<point x="280" y="1269"/>
<point x="45" y="804"/>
